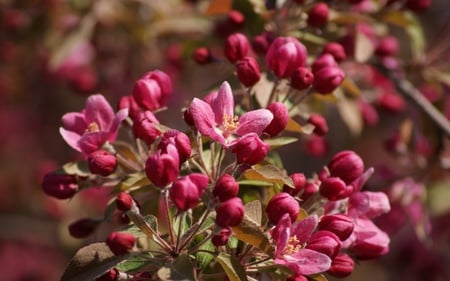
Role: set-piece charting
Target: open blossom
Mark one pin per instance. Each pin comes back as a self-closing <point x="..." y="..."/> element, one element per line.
<point x="215" y="117"/>
<point x="90" y="129"/>
<point x="290" y="240"/>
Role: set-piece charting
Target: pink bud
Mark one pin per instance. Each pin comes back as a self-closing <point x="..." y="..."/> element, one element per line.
<point x="101" y="162"/>
<point x="309" y="190"/>
<point x="250" y="149"/>
<point x="247" y="71"/>
<point x="236" y="18"/>
<point x="111" y="275"/>
<point x="341" y="266"/>
<point x="120" y="243"/>
<point x="324" y="242"/>
<point x="336" y="50"/>
<point x="334" y="189"/>
<point x="144" y="127"/>
<point x="368" y="112"/>
<point x="226" y="188"/>
<point x="181" y="142"/>
<point x="234" y="21"/>
<point x="83" y="227"/>
<point x="299" y="181"/>
<point x="318" y="15"/>
<point x="280" y="118"/>
<point x="393" y="103"/>
<point x="327" y="79"/>
<point x="388" y="46"/>
<point x="261" y="43"/>
<point x="186" y="191"/>
<point x="281" y="204"/>
<point x="320" y="124"/>
<point x="129" y="103"/>
<point x="340" y="224"/>
<point x="301" y="78"/>
<point x="60" y="186"/>
<point x="236" y="47"/>
<point x="202" y="55"/>
<point x="418" y="5"/>
<point x="152" y="90"/>
<point x="317" y="146"/>
<point x="323" y="61"/>
<point x="230" y="212"/>
<point x="124" y="201"/>
<point x="163" y="168"/>
<point x="83" y="79"/>
<point x="222" y="237"/>
<point x="346" y="165"/>
<point x="285" y="55"/>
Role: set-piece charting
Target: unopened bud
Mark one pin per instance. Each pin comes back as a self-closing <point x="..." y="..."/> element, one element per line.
<point x="226" y="188"/>
<point x="60" y="186"/>
<point x="340" y="224"/>
<point x="83" y="227"/>
<point x="281" y="204"/>
<point x="186" y="191"/>
<point x="346" y="165"/>
<point x="280" y="118"/>
<point x="318" y="15"/>
<point x="163" y="168"/>
<point x="341" y="266"/>
<point x="250" y="150"/>
<point x="181" y="142"/>
<point x="152" y="90"/>
<point x="334" y="189"/>
<point x="230" y="213"/>
<point x="101" y="162"/>
<point x="124" y="201"/>
<point x="236" y="47"/>
<point x="320" y="124"/>
<point x="323" y="61"/>
<point x="111" y="275"/>
<point x="261" y="43"/>
<point x="299" y="181"/>
<point x="129" y="103"/>
<point x="327" y="79"/>
<point x="202" y="55"/>
<point x="144" y="127"/>
<point x="285" y="55"/>
<point x="301" y="78"/>
<point x="247" y="71"/>
<point x="324" y="242"/>
<point x="222" y="237"/>
<point x="120" y="243"/>
<point x="336" y="50"/>
<point x="388" y="46"/>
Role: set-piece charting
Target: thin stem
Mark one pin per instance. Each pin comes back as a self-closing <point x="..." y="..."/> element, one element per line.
<point x="188" y="239"/>
<point x="165" y="193"/>
<point x="128" y="164"/>
<point x="300" y="98"/>
<point x="219" y="164"/>
<point x="273" y="93"/>
<point x="257" y="262"/>
<point x="179" y="231"/>
<point x="212" y="150"/>
<point x="197" y="246"/>
<point x="288" y="94"/>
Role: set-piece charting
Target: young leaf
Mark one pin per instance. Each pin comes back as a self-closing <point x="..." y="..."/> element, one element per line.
<point x="76" y="168"/>
<point x="253" y="211"/>
<point x="90" y="262"/>
<point x="280" y="141"/>
<point x="133" y="181"/>
<point x="142" y="225"/>
<point x="181" y="269"/>
<point x="250" y="232"/>
<point x="204" y="257"/>
<point x="269" y="173"/>
<point x="232" y="267"/>
<point x="134" y="263"/>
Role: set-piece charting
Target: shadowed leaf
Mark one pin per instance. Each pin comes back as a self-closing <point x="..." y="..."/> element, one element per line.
<point x="232" y="267"/>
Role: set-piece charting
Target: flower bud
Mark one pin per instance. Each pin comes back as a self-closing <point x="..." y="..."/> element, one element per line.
<point x="101" y="162"/>
<point x="250" y="150"/>
<point x="235" y="20"/>
<point x="124" y="201"/>
<point x="341" y="266"/>
<point x="320" y="124"/>
<point x="181" y="142"/>
<point x="202" y="55"/>
<point x="324" y="60"/>
<point x="393" y="103"/>
<point x="309" y="190"/>
<point x="152" y="91"/>
<point x="281" y="204"/>
<point x="120" y="243"/>
<point x="111" y="275"/>
<point x="163" y="168"/>
<point x="328" y="79"/>
<point x="317" y="146"/>
<point x="340" y="224"/>
<point x="83" y="227"/>
<point x="222" y="237"/>
<point x="388" y="46"/>
<point x="280" y="118"/>
<point x="236" y="47"/>
<point x="334" y="189"/>
<point x="417" y="5"/>
<point x="346" y="165"/>
<point x="226" y="188"/>
<point x="318" y="15"/>
<point x="368" y="112"/>
<point x="247" y="71"/>
<point x="299" y="181"/>
<point x="186" y="191"/>
<point x="324" y="242"/>
<point x="144" y="127"/>
<point x="60" y="186"/>
<point x="285" y="55"/>
<point x="301" y="78"/>
<point x="187" y="117"/>
<point x="336" y="50"/>
<point x="129" y="103"/>
<point x="230" y="212"/>
<point x="261" y="43"/>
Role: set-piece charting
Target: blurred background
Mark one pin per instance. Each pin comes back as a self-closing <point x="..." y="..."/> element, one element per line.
<point x="54" y="53"/>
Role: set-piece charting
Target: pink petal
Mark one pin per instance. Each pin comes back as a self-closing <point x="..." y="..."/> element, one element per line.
<point x="74" y="121"/>
<point x="223" y="103"/>
<point x="254" y="121"/>
<point x="71" y="138"/>
<point x="90" y="142"/>
<point x="204" y="120"/>
<point x="307" y="262"/>
<point x="281" y="233"/>
<point x="98" y="110"/>
<point x="118" y="118"/>
<point x="378" y="204"/>
<point x="304" y="228"/>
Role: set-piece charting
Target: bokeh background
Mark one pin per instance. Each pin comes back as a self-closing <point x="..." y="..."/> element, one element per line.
<point x="54" y="53"/>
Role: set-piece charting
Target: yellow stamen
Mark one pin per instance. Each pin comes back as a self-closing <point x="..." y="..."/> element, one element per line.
<point x="293" y="245"/>
<point x="93" y="127"/>
<point x="230" y="123"/>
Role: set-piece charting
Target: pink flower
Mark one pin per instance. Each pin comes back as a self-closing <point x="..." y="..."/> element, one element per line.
<point x="215" y="117"/>
<point x="90" y="129"/>
<point x="290" y="240"/>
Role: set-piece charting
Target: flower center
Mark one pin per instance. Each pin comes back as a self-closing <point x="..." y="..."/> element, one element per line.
<point x="230" y="123"/>
<point x="93" y="127"/>
<point x="293" y="246"/>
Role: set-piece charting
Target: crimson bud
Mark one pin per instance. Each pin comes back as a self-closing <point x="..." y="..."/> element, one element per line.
<point x="280" y="204"/>
<point x="130" y="103"/>
<point x="285" y="55"/>
<point x="340" y="224"/>
<point x="124" y="201"/>
<point x="301" y="78"/>
<point x="334" y="189"/>
<point x="250" y="149"/>
<point x="317" y="146"/>
<point x="60" y="186"/>
<point x="341" y="266"/>
<point x="388" y="46"/>
<point x="299" y="181"/>
<point x="222" y="237"/>
<point x="261" y="43"/>
<point x="280" y="118"/>
<point x="144" y="127"/>
<point x="120" y="243"/>
<point x="83" y="227"/>
<point x="181" y="142"/>
<point x="247" y="71"/>
<point x="320" y="124"/>
<point x="346" y="165"/>
<point x="327" y="79"/>
<point x="236" y="47"/>
<point x="336" y="50"/>
<point x="111" y="275"/>
<point x="101" y="162"/>
<point x="226" y="188"/>
<point x="230" y="212"/>
<point x="324" y="242"/>
<point x="152" y="90"/>
<point x="324" y="60"/>
<point x="163" y="168"/>
<point x="186" y="191"/>
<point x="202" y="55"/>
<point x="318" y="15"/>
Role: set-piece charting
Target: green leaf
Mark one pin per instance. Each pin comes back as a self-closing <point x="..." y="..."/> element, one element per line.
<point x="126" y="150"/>
<point x="254" y="183"/>
<point x="181" y="269"/>
<point x="142" y="226"/>
<point x="293" y="126"/>
<point x="134" y="263"/>
<point x="234" y="270"/>
<point x="268" y="173"/>
<point x="203" y="257"/>
<point x="76" y="168"/>
<point x="133" y="181"/>
<point x="181" y="220"/>
<point x="90" y="262"/>
<point x="279" y="141"/>
<point x="251" y="232"/>
<point x="253" y="211"/>
<point x="350" y="87"/>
